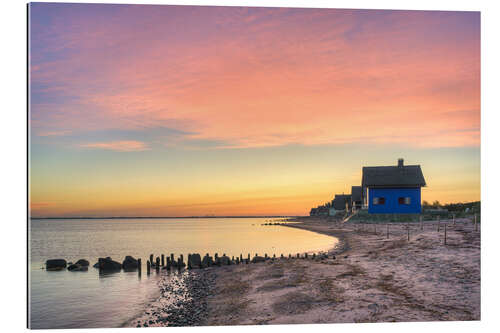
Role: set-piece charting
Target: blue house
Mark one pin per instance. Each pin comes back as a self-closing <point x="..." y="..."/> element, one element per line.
<point x="393" y="189"/>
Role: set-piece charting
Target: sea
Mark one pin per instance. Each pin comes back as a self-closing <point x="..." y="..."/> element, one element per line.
<point x="64" y="299"/>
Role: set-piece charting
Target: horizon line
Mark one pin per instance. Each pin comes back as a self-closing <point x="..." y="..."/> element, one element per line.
<point x="160" y="217"/>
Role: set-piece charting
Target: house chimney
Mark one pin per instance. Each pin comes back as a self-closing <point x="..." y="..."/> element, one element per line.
<point x="400" y="162"/>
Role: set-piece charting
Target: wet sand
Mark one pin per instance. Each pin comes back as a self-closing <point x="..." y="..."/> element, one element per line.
<point x="372" y="279"/>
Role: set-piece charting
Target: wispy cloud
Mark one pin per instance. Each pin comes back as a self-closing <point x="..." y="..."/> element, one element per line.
<point x="256" y="77"/>
<point x="123" y="146"/>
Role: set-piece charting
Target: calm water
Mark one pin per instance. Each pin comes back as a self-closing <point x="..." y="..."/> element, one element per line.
<point x="87" y="299"/>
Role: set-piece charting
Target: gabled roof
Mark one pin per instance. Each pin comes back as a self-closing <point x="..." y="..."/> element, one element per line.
<point x="386" y="176"/>
<point x="340" y="201"/>
<point x="356" y="192"/>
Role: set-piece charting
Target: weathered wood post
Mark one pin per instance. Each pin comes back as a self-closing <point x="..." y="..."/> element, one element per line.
<point x="151" y="259"/>
<point x="445" y="234"/>
<point x="169" y="263"/>
<point x="139" y="265"/>
<point x="162" y="260"/>
<point x="289" y="256"/>
<point x="265" y="256"/>
<point x="274" y="255"/>
<point x="148" y="267"/>
<point x="305" y="255"/>
<point x="171" y="258"/>
<point x="298" y="255"/>
<point x="282" y="256"/>
<point x="248" y="257"/>
<point x="475" y="221"/>
<point x="439" y="223"/>
<point x="157" y="264"/>
<point x="241" y="257"/>
<point x="189" y="261"/>
<point x="387" y="230"/>
<point x="314" y="255"/>
<point x="408" y="228"/>
<point x="453" y="219"/>
<point x="421" y="223"/>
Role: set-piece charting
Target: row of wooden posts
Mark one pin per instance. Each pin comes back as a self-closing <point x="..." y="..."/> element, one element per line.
<point x="422" y="227"/>
<point x="179" y="263"/>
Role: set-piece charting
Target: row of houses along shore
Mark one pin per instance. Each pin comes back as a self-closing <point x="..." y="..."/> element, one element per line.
<point x="392" y="189"/>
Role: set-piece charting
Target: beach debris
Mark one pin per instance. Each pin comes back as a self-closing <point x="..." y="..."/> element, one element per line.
<point x="107" y="264"/>
<point x="55" y="264"/>
<point x="130" y="263"/>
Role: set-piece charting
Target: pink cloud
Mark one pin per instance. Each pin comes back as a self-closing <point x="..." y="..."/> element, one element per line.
<point x="286" y="76"/>
<point x="124" y="146"/>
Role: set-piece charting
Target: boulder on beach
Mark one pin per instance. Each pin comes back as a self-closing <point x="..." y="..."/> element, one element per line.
<point x="130" y="263"/>
<point x="55" y="264"/>
<point x="258" y="259"/>
<point x="82" y="262"/>
<point x="107" y="264"/>
<point x="195" y="260"/>
<point x="207" y="261"/>
<point x="78" y="268"/>
<point x="224" y="260"/>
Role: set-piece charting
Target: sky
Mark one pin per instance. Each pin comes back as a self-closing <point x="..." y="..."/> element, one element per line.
<point x="156" y="110"/>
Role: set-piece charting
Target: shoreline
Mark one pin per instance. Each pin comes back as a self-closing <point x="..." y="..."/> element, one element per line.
<point x="367" y="277"/>
<point x="372" y="279"/>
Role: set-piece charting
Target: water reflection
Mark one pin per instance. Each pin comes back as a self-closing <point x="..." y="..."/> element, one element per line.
<point x="64" y="299"/>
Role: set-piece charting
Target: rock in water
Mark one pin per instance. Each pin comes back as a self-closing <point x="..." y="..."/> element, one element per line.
<point x="195" y="260"/>
<point x="78" y="268"/>
<point x="55" y="264"/>
<point x="130" y="263"/>
<point x="82" y="262"/>
<point x="107" y="264"/>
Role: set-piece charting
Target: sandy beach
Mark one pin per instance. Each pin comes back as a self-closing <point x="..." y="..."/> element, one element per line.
<point x="373" y="278"/>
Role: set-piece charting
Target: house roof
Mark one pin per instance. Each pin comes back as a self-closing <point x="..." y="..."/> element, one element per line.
<point x="400" y="176"/>
<point x="340" y="201"/>
<point x="356" y="192"/>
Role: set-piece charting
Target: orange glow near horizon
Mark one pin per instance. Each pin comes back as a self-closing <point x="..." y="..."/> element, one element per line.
<point x="182" y="111"/>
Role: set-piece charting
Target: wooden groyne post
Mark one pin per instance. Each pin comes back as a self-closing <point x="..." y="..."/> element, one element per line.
<point x="439" y="222"/>
<point x="157" y="264"/>
<point x="475" y="222"/>
<point x="151" y="259"/>
<point x="162" y="260"/>
<point x="148" y="267"/>
<point x="387" y="230"/>
<point x="139" y="265"/>
<point x="453" y="219"/>
<point x="421" y="223"/>
<point x="445" y="234"/>
<point x="408" y="229"/>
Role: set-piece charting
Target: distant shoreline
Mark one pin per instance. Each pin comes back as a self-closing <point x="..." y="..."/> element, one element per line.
<point x="160" y="217"/>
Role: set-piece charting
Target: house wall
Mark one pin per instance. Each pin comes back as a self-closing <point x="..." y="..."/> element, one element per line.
<point x="391" y="204"/>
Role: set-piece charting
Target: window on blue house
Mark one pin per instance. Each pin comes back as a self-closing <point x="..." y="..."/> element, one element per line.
<point x="379" y="201"/>
<point x="404" y="200"/>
